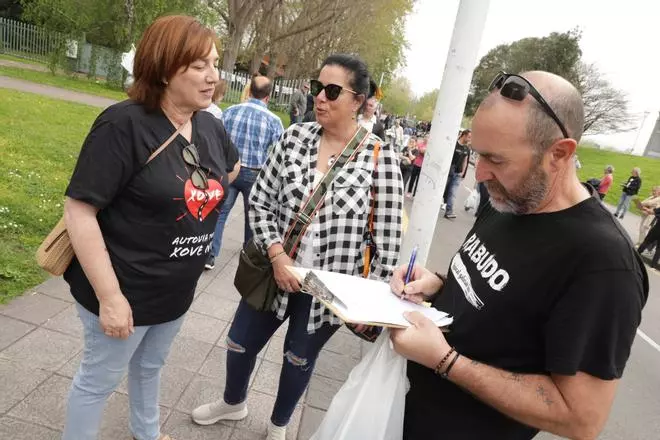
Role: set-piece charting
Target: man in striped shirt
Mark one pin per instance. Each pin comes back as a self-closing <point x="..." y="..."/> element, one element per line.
<point x="253" y="129"/>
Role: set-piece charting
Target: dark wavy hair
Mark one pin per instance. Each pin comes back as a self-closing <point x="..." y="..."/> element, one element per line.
<point x="359" y="78"/>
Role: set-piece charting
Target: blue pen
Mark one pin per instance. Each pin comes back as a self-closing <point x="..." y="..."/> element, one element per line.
<point x="411" y="265"/>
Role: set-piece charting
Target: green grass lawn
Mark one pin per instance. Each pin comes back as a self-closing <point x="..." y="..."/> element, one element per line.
<point x="594" y="162"/>
<point x="39" y="140"/>
<point x="78" y="84"/>
<point x="64" y="81"/>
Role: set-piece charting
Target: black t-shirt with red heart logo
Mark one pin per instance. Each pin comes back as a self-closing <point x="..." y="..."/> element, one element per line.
<point x="157" y="226"/>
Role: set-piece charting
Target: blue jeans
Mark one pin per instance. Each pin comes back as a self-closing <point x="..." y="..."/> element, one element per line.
<point x="104" y="363"/>
<point x="624" y="204"/>
<point x="243" y="184"/>
<point x="249" y="333"/>
<point x="453" y="181"/>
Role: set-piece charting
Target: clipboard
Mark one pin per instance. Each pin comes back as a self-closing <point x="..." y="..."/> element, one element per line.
<point x="357" y="300"/>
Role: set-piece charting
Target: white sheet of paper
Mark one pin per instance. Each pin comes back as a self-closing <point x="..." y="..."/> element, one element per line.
<point x="371" y="300"/>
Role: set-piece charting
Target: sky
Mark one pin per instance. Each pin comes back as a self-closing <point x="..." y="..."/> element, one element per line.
<point x="622" y="38"/>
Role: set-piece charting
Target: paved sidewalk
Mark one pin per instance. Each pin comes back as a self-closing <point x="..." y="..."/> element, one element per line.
<point x="40" y="349"/>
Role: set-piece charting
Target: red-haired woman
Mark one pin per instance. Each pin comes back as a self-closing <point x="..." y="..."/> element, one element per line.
<point x="142" y="228"/>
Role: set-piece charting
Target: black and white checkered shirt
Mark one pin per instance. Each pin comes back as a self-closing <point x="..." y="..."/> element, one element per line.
<point x="286" y="181"/>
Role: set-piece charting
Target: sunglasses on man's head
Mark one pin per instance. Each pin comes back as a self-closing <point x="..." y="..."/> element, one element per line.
<point x="332" y="91"/>
<point x="517" y="88"/>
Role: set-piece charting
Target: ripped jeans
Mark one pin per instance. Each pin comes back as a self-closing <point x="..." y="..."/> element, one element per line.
<point x="249" y="333"/>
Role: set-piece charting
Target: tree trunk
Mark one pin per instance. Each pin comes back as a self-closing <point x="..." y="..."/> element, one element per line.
<point x="255" y="64"/>
<point x="230" y="53"/>
<point x="130" y="19"/>
<point x="272" y="66"/>
<point x="240" y="16"/>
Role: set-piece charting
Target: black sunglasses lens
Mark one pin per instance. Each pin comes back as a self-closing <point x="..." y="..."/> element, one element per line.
<point x="315" y="87"/>
<point x="514" y="88"/>
<point x="199" y="179"/>
<point x="332" y="91"/>
<point x="190" y="155"/>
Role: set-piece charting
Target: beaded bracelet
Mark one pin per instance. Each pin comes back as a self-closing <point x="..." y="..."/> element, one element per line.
<point x="445" y="374"/>
<point x="438" y="368"/>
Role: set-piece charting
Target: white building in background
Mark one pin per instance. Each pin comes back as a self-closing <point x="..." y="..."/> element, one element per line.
<point x="652" y="148"/>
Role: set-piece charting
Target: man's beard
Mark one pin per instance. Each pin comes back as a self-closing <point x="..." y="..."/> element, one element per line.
<point x="525" y="197"/>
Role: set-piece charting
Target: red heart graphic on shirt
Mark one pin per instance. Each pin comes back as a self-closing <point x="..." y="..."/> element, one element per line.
<point x="195" y="198"/>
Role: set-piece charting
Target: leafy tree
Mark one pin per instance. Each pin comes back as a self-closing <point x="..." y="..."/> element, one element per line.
<point x="399" y="98"/>
<point x="605" y="107"/>
<point x="558" y="53"/>
<point x="425" y="104"/>
<point x="301" y="33"/>
<point x="110" y="23"/>
<point x="11" y="9"/>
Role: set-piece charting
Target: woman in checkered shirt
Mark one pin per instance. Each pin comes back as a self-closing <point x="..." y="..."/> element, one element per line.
<point x="334" y="241"/>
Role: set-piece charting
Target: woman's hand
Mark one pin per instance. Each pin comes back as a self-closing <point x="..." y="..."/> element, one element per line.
<point x="283" y="277"/>
<point x="116" y="316"/>
<point x="423" y="285"/>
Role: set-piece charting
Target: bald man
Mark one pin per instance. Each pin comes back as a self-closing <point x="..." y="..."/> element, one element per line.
<point x="546" y="291"/>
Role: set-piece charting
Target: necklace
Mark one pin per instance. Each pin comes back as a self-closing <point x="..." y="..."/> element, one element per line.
<point x="332" y="159"/>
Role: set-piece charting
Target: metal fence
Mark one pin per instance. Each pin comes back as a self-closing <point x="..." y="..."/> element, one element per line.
<point x="28" y="41"/>
<point x="34" y="43"/>
<point x="280" y="96"/>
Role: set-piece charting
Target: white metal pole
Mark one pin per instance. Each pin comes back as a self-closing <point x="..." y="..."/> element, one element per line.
<point x="461" y="60"/>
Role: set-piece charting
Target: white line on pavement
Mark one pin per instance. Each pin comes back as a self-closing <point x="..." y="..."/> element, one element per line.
<point x="650" y="341"/>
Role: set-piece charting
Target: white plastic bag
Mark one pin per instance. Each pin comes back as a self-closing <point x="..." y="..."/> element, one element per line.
<point x="370" y="404"/>
<point x="472" y="202"/>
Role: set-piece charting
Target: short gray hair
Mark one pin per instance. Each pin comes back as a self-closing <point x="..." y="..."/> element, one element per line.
<point x="567" y="104"/>
<point x="638" y="171"/>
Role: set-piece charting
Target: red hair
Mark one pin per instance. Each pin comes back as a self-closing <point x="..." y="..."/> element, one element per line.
<point x="169" y="43"/>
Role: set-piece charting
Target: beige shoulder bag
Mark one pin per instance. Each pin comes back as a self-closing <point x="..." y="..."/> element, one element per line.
<point x="55" y="252"/>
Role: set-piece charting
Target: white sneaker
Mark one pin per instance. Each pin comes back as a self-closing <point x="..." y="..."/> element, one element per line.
<point x="276" y="432"/>
<point x="219" y="410"/>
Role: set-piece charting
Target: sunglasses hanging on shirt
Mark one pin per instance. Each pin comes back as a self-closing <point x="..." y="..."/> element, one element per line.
<point x="516" y="87"/>
<point x="198" y="176"/>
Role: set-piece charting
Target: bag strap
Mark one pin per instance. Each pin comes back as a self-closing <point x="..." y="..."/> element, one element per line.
<point x="306" y="213"/>
<point x="370" y="225"/>
<point x="167" y="142"/>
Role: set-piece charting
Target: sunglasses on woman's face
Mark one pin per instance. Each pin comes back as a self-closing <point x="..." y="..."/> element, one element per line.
<point x="198" y="176"/>
<point x="332" y="91"/>
<point x="517" y="88"/>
